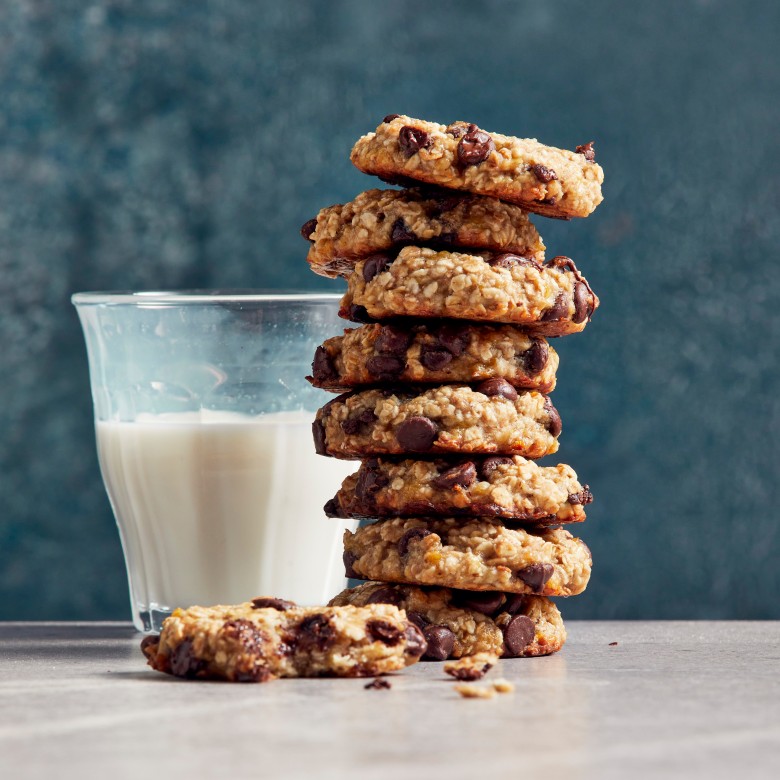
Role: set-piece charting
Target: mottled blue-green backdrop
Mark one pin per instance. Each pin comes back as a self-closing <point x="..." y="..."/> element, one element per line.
<point x="169" y="144"/>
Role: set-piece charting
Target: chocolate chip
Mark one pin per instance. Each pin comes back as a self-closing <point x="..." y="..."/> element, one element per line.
<point x="377" y="685"/>
<point x="385" y="596"/>
<point x="409" y="536"/>
<point x="358" y="313"/>
<point x="384" y="632"/>
<point x="509" y="260"/>
<point x="415" y="641"/>
<point x="401" y="233"/>
<point x="349" y="561"/>
<point x="475" y="146"/>
<point x="497" y="386"/>
<point x="554" y="424"/>
<point x="389" y="118"/>
<point x="581" y="303"/>
<point x="417" y="434"/>
<point x="418" y="619"/>
<point x="563" y="263"/>
<point x="370" y="480"/>
<point x="462" y="475"/>
<point x="322" y="367"/>
<point x="245" y="633"/>
<point x="374" y="266"/>
<point x="318" y="433"/>
<point x="587" y="151"/>
<point x="535" y="357"/>
<point x="264" y="602"/>
<point x="558" y="311"/>
<point x="385" y="367"/>
<point x="308" y="228"/>
<point x="392" y="340"/>
<point x="457" y="129"/>
<point x="149" y="641"/>
<point x="515" y="602"/>
<point x="183" y="662"/>
<point x="357" y="425"/>
<point x="333" y="508"/>
<point x="583" y="497"/>
<point x="440" y="642"/>
<point x="316" y="631"/>
<point x="412" y="139"/>
<point x="519" y="632"/>
<point x="487" y="602"/>
<point x="489" y="465"/>
<point x="453" y="339"/>
<point x="435" y="358"/>
<point x="536" y="575"/>
<point x="543" y="173"/>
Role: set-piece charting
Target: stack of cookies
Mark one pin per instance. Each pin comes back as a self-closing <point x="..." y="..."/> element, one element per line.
<point x="444" y="383"/>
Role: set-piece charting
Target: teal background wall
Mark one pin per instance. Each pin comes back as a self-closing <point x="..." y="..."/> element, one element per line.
<point x="166" y="144"/>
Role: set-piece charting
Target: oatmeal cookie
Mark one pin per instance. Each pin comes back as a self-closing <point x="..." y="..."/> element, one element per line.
<point x="381" y="220"/>
<point x="459" y="623"/>
<point x="549" y="181"/>
<point x="514" y="489"/>
<point x="468" y="555"/>
<point x="549" y="300"/>
<point x="492" y="419"/>
<point x="434" y="352"/>
<point x="269" y="638"/>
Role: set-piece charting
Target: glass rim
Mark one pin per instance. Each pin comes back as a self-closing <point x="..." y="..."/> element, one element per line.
<point x="186" y="297"/>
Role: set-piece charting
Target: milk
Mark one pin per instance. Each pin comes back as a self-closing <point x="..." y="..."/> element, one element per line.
<point x="218" y="507"/>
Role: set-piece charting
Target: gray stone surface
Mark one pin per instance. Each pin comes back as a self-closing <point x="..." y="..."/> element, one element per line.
<point x="671" y="700"/>
<point x="160" y="144"/>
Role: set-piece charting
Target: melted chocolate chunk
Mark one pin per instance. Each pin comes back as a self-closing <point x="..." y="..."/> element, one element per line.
<point x="358" y="313"/>
<point x="370" y="480"/>
<point x="475" y="146"/>
<point x="554" y="424"/>
<point x="463" y="475"/>
<point x="322" y="367"/>
<point x="392" y="340"/>
<point x="489" y="465"/>
<point x="385" y="596"/>
<point x="515" y="602"/>
<point x="486" y="602"/>
<point x="536" y="575"/>
<point x="308" y="228"/>
<point x="401" y="233"/>
<point x="385" y="367"/>
<point x="374" y="266"/>
<point x="149" y="641"/>
<point x="318" y="433"/>
<point x="435" y="358"/>
<point x="183" y="662"/>
<point x="246" y="634"/>
<point x="535" y="357"/>
<point x="440" y="642"/>
<point x="587" y="151"/>
<point x="415" y="641"/>
<point x="354" y="426"/>
<point x="412" y="139"/>
<point x="518" y="634"/>
<point x="418" y="619"/>
<point x="581" y="303"/>
<point x="384" y="632"/>
<point x="564" y="264"/>
<point x="543" y="173"/>
<point x="558" y="311"/>
<point x="389" y="118"/>
<point x="497" y="386"/>
<point x="417" y="434"/>
<point x="454" y="339"/>
<point x="410" y="535"/>
<point x="266" y="602"/>
<point x="316" y="631"/>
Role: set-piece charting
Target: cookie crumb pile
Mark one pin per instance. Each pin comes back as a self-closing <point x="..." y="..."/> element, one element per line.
<point x="444" y="384"/>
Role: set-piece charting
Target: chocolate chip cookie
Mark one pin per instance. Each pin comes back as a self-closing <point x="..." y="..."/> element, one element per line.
<point x="514" y="489"/>
<point x="384" y="220"/>
<point x="491" y="419"/>
<point x="461" y="156"/>
<point x="434" y="352"/>
<point x="458" y="623"/>
<point x="269" y="638"/>
<point x="549" y="300"/>
<point x="476" y="555"/>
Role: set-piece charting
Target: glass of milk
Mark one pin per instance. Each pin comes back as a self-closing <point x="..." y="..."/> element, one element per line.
<point x="203" y="421"/>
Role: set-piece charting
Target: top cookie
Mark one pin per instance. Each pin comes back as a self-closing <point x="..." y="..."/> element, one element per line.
<point x="549" y="181"/>
<point x="381" y="220"/>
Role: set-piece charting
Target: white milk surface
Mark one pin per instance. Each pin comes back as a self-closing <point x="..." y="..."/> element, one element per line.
<point x="218" y="507"/>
